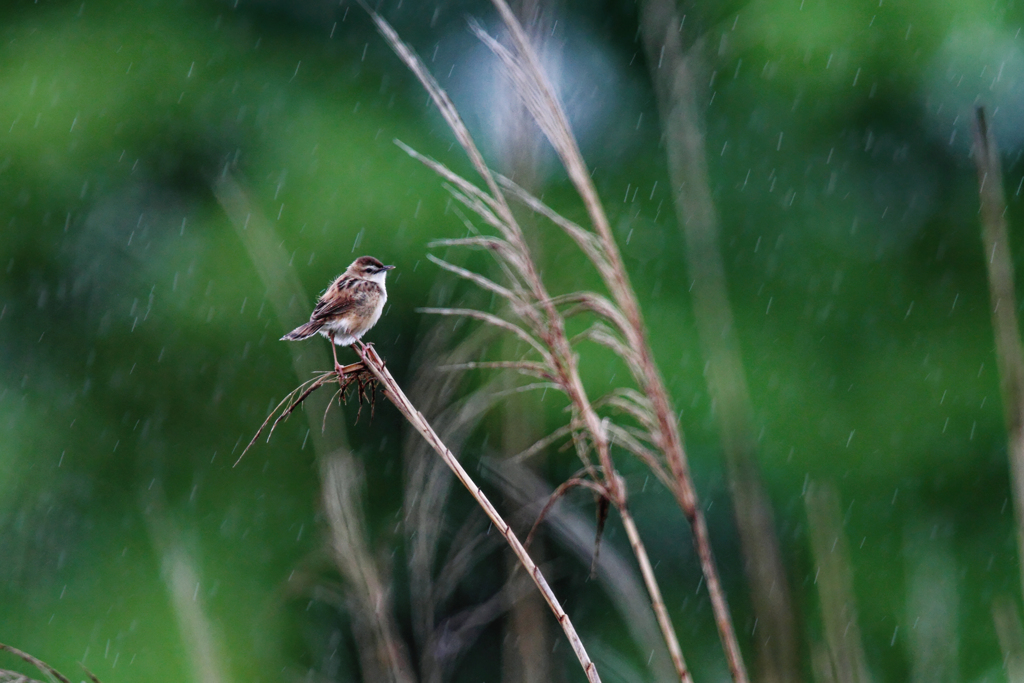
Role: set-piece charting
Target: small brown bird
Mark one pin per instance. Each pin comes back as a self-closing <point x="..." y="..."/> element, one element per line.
<point x="349" y="308"/>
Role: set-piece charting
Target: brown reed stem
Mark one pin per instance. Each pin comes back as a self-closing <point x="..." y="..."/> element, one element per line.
<point x="676" y="75"/>
<point x="394" y="393"/>
<point x="37" y="663"/>
<point x="1009" y="352"/>
<point x="540" y="96"/>
<point x="1006" y="617"/>
<point x="653" y="590"/>
<point x="529" y="299"/>
<point x="843" y="655"/>
<point x="564" y="360"/>
<point x="388" y="656"/>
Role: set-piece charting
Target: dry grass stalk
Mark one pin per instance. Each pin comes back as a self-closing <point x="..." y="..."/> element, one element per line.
<point x="435" y="572"/>
<point x="621" y="327"/>
<point x="387" y="656"/>
<point x="285" y="294"/>
<point x="843" y="658"/>
<point x="394" y="393"/>
<point x="1006" y="617"/>
<point x="8" y="676"/>
<point x="676" y="75"/>
<point x="1009" y="352"/>
<point x="352" y="375"/>
<point x="619" y="576"/>
<point x="37" y="663"/>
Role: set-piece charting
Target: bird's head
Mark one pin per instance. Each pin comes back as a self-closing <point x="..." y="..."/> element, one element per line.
<point x="368" y="268"/>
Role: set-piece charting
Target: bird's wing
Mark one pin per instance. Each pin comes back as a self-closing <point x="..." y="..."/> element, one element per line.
<point x="345" y="295"/>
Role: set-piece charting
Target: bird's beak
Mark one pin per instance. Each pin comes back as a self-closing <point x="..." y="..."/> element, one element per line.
<point x="387" y="267"/>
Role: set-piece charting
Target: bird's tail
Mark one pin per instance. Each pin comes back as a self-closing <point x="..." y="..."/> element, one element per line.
<point x="303" y="331"/>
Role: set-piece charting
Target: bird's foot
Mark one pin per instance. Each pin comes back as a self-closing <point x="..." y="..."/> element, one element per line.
<point x="364" y="349"/>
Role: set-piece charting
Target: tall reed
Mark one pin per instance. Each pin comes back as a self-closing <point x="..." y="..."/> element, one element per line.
<point x="1002" y="295"/>
<point x="538" y="319"/>
<point x="677" y="71"/>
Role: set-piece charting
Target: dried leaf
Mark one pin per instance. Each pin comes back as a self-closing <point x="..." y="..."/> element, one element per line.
<point x="564" y="488"/>
<point x="482" y="281"/>
<point x="37" y="663"/>
<point x="602" y="517"/>
<point x="493" y="320"/>
<point x="526" y="367"/>
<point x="595" y="303"/>
<point x="584" y="239"/>
<point x="541" y="443"/>
<point x="650" y="458"/>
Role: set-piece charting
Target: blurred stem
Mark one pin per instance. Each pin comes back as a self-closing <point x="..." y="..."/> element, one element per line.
<point x="385" y="655"/>
<point x="526" y="655"/>
<point x="615" y="571"/>
<point x="285" y="293"/>
<point x="1011" y="636"/>
<point x="202" y="643"/>
<point x="657" y="602"/>
<point x="1009" y="354"/>
<point x="528" y="652"/>
<point x="932" y="603"/>
<point x="415" y="418"/>
<point x="673" y="73"/>
<point x="37" y="663"/>
<point x="844" y="660"/>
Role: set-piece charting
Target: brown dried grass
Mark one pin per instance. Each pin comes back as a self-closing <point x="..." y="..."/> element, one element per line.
<point x="538" y="318"/>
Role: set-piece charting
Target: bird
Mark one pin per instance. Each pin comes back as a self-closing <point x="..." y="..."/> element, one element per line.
<point x="348" y="308"/>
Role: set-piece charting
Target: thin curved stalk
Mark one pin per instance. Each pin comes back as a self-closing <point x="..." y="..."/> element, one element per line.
<point x="37" y="663"/>
<point x="492" y="320"/>
<point x="394" y="393"/>
<point x="539" y="96"/>
<point x="1009" y="351"/>
<point x="657" y="602"/>
<point x="545" y="319"/>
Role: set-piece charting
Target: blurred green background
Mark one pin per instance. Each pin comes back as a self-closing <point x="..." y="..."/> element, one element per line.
<point x="139" y="352"/>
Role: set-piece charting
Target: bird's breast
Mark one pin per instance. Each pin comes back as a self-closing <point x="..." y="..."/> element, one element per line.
<point x="379" y="308"/>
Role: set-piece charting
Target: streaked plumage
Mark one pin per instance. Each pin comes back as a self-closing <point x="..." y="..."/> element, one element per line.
<point x="350" y="306"/>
